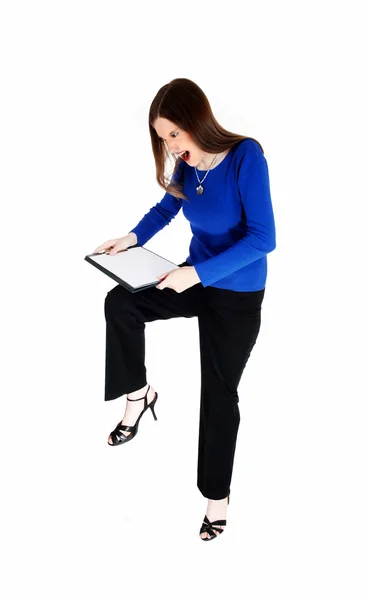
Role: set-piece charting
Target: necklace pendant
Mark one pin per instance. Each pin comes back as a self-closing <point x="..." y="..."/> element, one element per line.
<point x="200" y="189"/>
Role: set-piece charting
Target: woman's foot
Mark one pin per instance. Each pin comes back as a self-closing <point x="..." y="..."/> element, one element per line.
<point x="134" y="409"/>
<point x="217" y="510"/>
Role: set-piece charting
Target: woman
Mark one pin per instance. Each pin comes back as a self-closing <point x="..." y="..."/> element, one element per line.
<point x="221" y="181"/>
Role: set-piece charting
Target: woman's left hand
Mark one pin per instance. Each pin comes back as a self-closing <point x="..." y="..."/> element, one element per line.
<point x="179" y="279"/>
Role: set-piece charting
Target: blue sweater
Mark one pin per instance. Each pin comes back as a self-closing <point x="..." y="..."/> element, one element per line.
<point x="232" y="222"/>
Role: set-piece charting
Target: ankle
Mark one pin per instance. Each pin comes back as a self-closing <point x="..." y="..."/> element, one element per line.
<point x="138" y="393"/>
<point x="220" y="502"/>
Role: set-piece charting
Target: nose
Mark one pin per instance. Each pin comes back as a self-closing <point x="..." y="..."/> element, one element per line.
<point x="170" y="149"/>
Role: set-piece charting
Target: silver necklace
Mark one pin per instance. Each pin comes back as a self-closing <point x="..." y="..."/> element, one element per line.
<point x="200" y="188"/>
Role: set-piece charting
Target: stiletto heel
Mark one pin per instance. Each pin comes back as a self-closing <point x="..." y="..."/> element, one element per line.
<point x="117" y="434"/>
<point x="152" y="407"/>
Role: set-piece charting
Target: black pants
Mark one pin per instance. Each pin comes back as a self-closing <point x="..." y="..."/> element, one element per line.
<point x="229" y="324"/>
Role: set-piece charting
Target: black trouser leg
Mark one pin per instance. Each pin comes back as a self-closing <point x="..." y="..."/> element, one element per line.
<point x="126" y="315"/>
<point x="228" y="329"/>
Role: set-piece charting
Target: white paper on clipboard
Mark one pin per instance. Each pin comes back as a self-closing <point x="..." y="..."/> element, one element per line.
<point x="136" y="266"/>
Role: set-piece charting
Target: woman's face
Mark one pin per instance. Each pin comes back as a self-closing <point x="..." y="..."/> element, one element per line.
<point x="178" y="141"/>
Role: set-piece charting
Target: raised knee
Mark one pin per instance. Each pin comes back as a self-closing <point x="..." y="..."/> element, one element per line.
<point x="115" y="300"/>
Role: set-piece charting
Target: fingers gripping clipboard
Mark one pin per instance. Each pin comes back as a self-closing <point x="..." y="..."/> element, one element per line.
<point x="135" y="268"/>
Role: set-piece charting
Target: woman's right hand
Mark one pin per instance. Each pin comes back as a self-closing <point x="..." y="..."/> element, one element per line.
<point x="117" y="245"/>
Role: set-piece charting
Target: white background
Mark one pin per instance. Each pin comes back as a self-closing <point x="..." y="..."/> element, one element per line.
<point x="83" y="520"/>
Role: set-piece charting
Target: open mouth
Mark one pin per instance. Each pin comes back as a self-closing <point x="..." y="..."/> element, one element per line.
<point x="185" y="155"/>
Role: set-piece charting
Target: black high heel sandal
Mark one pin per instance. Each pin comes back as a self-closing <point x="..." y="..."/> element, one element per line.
<point x="210" y="526"/>
<point x="117" y="434"/>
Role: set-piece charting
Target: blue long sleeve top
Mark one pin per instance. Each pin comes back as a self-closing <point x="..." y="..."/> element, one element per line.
<point x="232" y="222"/>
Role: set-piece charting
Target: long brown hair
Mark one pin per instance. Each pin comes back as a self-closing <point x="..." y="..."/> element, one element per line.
<point x="183" y="102"/>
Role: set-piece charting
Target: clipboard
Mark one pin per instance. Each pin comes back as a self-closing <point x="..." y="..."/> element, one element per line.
<point x="135" y="268"/>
